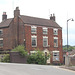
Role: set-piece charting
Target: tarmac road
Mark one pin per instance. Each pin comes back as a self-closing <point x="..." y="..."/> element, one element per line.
<point x="31" y="69"/>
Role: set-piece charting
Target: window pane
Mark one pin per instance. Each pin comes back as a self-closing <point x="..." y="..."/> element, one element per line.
<point x="55" y="32"/>
<point x="55" y="42"/>
<point x="33" y="30"/>
<point x="45" y="31"/>
<point x="1" y="43"/>
<point x="45" y="42"/>
<point x="33" y="41"/>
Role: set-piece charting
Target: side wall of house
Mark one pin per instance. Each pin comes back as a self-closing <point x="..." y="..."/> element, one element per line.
<point x="7" y="37"/>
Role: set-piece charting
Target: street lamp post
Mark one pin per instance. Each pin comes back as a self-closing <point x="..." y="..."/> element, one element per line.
<point x="67" y="31"/>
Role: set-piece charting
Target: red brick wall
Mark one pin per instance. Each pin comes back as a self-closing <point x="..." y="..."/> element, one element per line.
<point x="28" y="37"/>
<point x="7" y="37"/>
<point x="40" y="40"/>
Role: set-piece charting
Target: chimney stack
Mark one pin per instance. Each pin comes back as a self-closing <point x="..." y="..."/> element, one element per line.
<point x="52" y="17"/>
<point x="16" y="12"/>
<point x="4" y="16"/>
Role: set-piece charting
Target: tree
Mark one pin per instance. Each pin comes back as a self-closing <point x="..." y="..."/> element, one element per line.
<point x="69" y="47"/>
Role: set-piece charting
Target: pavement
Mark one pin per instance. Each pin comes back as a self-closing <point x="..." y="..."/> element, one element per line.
<point x="68" y="67"/>
<point x="32" y="69"/>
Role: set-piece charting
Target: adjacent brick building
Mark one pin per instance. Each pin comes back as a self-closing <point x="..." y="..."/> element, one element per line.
<point x="33" y="33"/>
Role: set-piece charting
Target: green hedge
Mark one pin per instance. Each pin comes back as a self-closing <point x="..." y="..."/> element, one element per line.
<point x="38" y="58"/>
<point x="21" y="50"/>
<point x="6" y="58"/>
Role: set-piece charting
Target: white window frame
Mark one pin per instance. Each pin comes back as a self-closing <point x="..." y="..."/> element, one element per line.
<point x="43" y="41"/>
<point x="56" y="56"/>
<point x="36" y="40"/>
<point x="55" y="31"/>
<point x="46" y="30"/>
<point x="56" y="38"/>
<point x="34" y="28"/>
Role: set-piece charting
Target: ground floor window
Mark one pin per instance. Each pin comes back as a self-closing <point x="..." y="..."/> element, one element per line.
<point x="55" y="55"/>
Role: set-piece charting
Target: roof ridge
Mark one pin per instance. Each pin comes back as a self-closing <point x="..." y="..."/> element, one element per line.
<point x="35" y="17"/>
<point x="39" y="21"/>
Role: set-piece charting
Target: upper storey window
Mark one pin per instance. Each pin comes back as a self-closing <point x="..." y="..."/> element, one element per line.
<point x="45" y="41"/>
<point x="55" y="41"/>
<point x="1" y="32"/>
<point x="34" y="41"/>
<point x="1" y="42"/>
<point x="33" y="29"/>
<point x="55" y="31"/>
<point x="45" y="30"/>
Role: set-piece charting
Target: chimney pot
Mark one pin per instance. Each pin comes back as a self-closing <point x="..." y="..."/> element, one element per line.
<point x="52" y="17"/>
<point x="16" y="12"/>
<point x="17" y="8"/>
<point x="4" y="16"/>
<point x="4" y="13"/>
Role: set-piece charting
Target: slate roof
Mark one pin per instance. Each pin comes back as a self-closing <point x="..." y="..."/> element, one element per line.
<point x="5" y="23"/>
<point x="72" y="52"/>
<point x="39" y="21"/>
<point x="31" y="21"/>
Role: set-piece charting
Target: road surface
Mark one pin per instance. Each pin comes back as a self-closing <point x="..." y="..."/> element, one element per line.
<point x="31" y="69"/>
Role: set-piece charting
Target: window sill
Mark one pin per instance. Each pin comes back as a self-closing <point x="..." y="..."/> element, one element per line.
<point x="55" y="34"/>
<point x="55" y="46"/>
<point x="33" y="33"/>
<point x="34" y="46"/>
<point x="56" y="60"/>
<point x="45" y="34"/>
<point x="47" y="46"/>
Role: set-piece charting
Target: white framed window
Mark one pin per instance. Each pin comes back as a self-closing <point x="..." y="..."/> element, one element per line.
<point x="1" y="42"/>
<point x="55" y="41"/>
<point x="45" y="30"/>
<point x="45" y="41"/>
<point x="55" y="55"/>
<point x="33" y="29"/>
<point x="1" y="32"/>
<point x="55" y="31"/>
<point x="34" y="41"/>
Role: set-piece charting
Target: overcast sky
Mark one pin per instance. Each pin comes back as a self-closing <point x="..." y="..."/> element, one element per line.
<point x="63" y="10"/>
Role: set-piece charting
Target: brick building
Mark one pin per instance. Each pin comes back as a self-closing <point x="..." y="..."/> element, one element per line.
<point x="33" y="33"/>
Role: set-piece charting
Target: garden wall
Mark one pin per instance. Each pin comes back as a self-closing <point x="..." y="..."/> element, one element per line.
<point x="15" y="57"/>
<point x="72" y="60"/>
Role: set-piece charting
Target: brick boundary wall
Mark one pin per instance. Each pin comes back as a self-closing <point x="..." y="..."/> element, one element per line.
<point x="72" y="61"/>
<point x="15" y="57"/>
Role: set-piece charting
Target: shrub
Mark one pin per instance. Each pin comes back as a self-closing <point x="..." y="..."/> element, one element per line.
<point x="6" y="58"/>
<point x="21" y="50"/>
<point x="37" y="58"/>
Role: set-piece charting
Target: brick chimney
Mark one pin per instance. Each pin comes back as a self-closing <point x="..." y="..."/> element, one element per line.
<point x="16" y="12"/>
<point x="52" y="17"/>
<point x="4" y="16"/>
